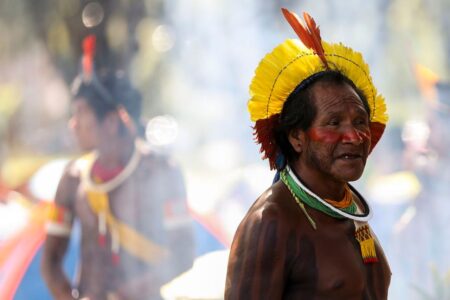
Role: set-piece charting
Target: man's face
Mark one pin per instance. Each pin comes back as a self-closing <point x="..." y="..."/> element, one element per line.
<point x="337" y="144"/>
<point x="84" y="124"/>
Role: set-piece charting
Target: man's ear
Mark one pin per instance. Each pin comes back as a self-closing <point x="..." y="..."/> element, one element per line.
<point x="297" y="138"/>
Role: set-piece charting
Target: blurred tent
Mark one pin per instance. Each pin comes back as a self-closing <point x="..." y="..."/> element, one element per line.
<point x="22" y="230"/>
<point x="20" y="255"/>
<point x="15" y="171"/>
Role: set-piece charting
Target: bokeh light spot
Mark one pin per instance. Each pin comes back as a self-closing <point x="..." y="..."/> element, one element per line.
<point x="92" y="14"/>
<point x="163" y="38"/>
<point x="161" y="130"/>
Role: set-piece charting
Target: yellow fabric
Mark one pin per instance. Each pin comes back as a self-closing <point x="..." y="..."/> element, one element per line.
<point x="280" y="71"/>
<point x="130" y="240"/>
<point x="58" y="214"/>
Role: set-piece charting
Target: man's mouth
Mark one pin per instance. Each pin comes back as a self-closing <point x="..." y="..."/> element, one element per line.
<point x="350" y="156"/>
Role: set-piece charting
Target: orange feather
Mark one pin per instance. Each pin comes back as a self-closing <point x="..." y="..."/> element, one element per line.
<point x="298" y="27"/>
<point x="310" y="35"/>
<point x="88" y="55"/>
<point x="315" y="36"/>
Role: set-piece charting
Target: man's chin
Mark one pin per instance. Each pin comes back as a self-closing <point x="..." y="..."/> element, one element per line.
<point x="350" y="175"/>
<point x="351" y="171"/>
<point x="350" y="179"/>
<point x="86" y="148"/>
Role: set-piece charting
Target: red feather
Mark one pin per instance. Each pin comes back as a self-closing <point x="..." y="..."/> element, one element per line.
<point x="298" y="27"/>
<point x="264" y="132"/>
<point x="310" y="35"/>
<point x="88" y="54"/>
<point x="376" y="131"/>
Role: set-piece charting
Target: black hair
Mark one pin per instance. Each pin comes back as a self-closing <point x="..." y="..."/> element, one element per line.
<point x="106" y="91"/>
<point x="299" y="111"/>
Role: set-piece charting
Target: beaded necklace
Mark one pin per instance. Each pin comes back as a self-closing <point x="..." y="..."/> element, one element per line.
<point x="313" y="200"/>
<point x="303" y="195"/>
<point x="309" y="200"/>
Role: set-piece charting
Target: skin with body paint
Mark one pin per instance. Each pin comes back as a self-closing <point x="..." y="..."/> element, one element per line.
<point x="276" y="253"/>
<point x="334" y="150"/>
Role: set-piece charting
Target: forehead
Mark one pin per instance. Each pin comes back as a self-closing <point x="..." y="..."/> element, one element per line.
<point x="330" y="96"/>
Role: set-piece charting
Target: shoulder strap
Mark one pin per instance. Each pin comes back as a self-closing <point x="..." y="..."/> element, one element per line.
<point x="122" y="234"/>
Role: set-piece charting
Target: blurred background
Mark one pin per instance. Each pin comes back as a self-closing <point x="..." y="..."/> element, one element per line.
<point x="193" y="60"/>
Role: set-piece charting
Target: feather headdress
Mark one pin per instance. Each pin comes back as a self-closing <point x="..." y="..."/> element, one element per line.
<point x="289" y="64"/>
<point x="88" y="56"/>
<point x="88" y="76"/>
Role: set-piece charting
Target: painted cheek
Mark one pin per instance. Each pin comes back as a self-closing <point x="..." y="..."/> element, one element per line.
<point x="324" y="135"/>
<point x="356" y="135"/>
<point x="365" y="135"/>
<point x="331" y="136"/>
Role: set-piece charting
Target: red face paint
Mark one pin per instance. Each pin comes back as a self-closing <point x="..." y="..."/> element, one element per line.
<point x="324" y="135"/>
<point x="356" y="135"/>
<point x="332" y="136"/>
<point x="365" y="134"/>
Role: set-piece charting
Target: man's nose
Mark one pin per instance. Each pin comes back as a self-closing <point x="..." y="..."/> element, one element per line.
<point x="351" y="135"/>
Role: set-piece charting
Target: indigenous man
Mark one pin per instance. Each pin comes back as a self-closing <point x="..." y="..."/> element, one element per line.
<point x="130" y="202"/>
<point x="317" y="116"/>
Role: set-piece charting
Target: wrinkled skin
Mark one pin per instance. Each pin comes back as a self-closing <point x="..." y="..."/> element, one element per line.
<point x="276" y="253"/>
<point x="334" y="150"/>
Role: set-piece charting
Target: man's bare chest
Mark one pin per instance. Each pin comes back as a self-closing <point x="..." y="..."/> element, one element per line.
<point x="329" y="265"/>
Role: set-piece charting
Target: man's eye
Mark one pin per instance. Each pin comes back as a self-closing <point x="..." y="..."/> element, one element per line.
<point x="333" y="122"/>
<point x="361" y="121"/>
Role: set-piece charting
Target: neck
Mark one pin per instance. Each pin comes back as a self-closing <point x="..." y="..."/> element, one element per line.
<point x="115" y="152"/>
<point x="326" y="188"/>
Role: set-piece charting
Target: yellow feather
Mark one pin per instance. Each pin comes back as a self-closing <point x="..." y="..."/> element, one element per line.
<point x="281" y="70"/>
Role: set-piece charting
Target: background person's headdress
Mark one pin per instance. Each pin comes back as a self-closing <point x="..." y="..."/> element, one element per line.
<point x="127" y="104"/>
<point x="289" y="64"/>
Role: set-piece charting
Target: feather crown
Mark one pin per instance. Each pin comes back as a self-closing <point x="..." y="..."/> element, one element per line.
<point x="289" y="64"/>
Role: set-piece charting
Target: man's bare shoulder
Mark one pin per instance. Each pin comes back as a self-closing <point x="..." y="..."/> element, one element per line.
<point x="272" y="220"/>
<point x="72" y="168"/>
<point x="275" y="204"/>
<point x="69" y="182"/>
<point x="71" y="172"/>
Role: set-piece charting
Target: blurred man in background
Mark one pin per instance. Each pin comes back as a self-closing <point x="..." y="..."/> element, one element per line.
<point x="420" y="242"/>
<point x="130" y="202"/>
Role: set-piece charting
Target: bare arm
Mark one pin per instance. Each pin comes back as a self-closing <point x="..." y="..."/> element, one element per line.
<point x="257" y="262"/>
<point x="51" y="267"/>
<point x="59" y="224"/>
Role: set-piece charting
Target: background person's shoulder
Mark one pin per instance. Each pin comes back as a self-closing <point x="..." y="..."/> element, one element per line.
<point x="156" y="161"/>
